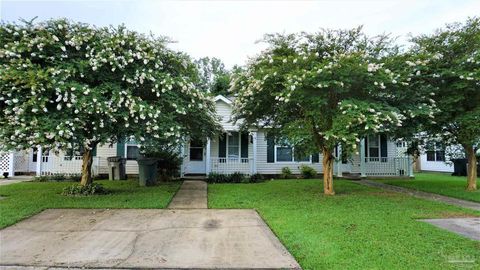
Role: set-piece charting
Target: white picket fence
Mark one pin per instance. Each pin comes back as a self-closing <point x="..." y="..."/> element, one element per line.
<point x="68" y="165"/>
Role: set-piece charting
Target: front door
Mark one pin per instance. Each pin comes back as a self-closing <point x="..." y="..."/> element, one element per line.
<point x="196" y="158"/>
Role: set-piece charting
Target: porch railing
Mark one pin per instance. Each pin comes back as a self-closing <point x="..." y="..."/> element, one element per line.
<point x="387" y="166"/>
<point x="65" y="165"/>
<point x="230" y="165"/>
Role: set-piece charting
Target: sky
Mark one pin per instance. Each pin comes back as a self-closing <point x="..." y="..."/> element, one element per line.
<point x="230" y="30"/>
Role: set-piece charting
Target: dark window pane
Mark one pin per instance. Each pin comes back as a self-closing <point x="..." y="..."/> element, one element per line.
<point x="301" y="158"/>
<point x="430" y="155"/>
<point x="284" y="154"/>
<point x="132" y="152"/>
<point x="196" y="153"/>
<point x="440" y="155"/>
<point x="373" y="152"/>
<point x="35" y="155"/>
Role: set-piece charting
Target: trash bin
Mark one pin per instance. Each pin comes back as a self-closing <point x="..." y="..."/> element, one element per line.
<point x="147" y="171"/>
<point x="460" y="167"/>
<point x="116" y="168"/>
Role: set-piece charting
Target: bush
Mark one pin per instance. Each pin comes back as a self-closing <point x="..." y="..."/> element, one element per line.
<point x="217" y="178"/>
<point x="307" y="172"/>
<point x="237" y="177"/>
<point x="79" y="190"/>
<point x="256" y="178"/>
<point x="286" y="173"/>
<point x="59" y="177"/>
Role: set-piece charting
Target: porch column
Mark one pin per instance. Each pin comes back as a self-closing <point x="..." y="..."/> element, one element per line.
<point x="363" y="169"/>
<point x="11" y="163"/>
<point x="39" y="161"/>
<point x="339" y="161"/>
<point x="207" y="163"/>
<point x="254" y="165"/>
<point x="410" y="167"/>
<point x="182" y="166"/>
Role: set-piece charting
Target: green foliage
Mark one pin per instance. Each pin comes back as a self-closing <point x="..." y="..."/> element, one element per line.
<point x="64" y="83"/>
<point x="286" y="173"/>
<point x="256" y="178"/>
<point x="80" y="190"/>
<point x="235" y="177"/>
<point x="307" y="172"/>
<point x="59" y="177"/>
<point x="328" y="88"/>
<point x="214" y="77"/>
<point x="448" y="63"/>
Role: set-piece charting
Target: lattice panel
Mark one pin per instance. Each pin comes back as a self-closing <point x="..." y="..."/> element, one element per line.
<point x="4" y="162"/>
<point x="20" y="163"/>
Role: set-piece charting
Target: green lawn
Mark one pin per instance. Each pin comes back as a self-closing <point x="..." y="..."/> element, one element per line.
<point x="439" y="183"/>
<point x="359" y="228"/>
<point x="28" y="198"/>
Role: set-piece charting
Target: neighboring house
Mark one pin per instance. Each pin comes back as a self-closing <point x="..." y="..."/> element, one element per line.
<point x="246" y="152"/>
<point x="433" y="158"/>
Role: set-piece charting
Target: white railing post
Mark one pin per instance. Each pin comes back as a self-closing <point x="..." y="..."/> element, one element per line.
<point x="207" y="163"/>
<point x="38" y="169"/>
<point x="182" y="167"/>
<point x="362" y="159"/>
<point x="254" y="162"/>
<point x="11" y="164"/>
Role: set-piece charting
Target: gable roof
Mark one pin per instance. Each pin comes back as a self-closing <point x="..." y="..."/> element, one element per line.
<point x="224" y="99"/>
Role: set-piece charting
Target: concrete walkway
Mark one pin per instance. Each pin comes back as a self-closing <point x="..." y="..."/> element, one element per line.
<point x="422" y="195"/>
<point x="143" y="238"/>
<point x="468" y="227"/>
<point x="191" y="195"/>
<point x="15" y="179"/>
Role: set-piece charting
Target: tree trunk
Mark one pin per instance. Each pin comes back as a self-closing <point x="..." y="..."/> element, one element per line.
<point x="471" y="168"/>
<point x="87" y="161"/>
<point x="416" y="167"/>
<point x="327" y="172"/>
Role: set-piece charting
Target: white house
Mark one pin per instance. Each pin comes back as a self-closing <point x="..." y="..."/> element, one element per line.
<point x="246" y="152"/>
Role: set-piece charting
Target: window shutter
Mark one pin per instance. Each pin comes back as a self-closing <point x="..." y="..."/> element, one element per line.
<point x="383" y="146"/>
<point x="244" y="144"/>
<point x="121" y="148"/>
<point x="270" y="149"/>
<point x="222" y="146"/>
<point x="315" y="158"/>
<point x="366" y="148"/>
<point x="94" y="151"/>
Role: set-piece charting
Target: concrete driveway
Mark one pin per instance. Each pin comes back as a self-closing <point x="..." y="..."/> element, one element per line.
<point x="144" y="238"/>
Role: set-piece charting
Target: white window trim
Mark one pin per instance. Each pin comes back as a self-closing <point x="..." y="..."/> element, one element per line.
<point x="435" y="150"/>
<point x="125" y="148"/>
<point x="239" y="145"/>
<point x="367" y="154"/>
<point x="293" y="156"/>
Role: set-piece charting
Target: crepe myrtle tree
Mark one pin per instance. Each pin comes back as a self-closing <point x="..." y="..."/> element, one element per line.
<point x="330" y="88"/>
<point x="64" y="83"/>
<point x="448" y="62"/>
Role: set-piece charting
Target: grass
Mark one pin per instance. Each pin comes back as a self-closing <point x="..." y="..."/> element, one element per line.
<point x="28" y="198"/>
<point x="359" y="228"/>
<point x="439" y="183"/>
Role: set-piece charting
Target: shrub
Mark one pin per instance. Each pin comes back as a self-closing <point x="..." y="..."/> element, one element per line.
<point x="42" y="178"/>
<point x="237" y="177"/>
<point x="256" y="178"/>
<point x="217" y="178"/>
<point x="286" y="173"/>
<point x="75" y="177"/>
<point x="79" y="190"/>
<point x="307" y="172"/>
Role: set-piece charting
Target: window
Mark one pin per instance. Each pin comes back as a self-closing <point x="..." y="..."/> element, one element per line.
<point x="233" y="145"/>
<point x="435" y="151"/>
<point x="284" y="154"/>
<point x="132" y="152"/>
<point x="34" y="154"/>
<point x="287" y="154"/>
<point x="373" y="146"/>
<point x="196" y="150"/>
